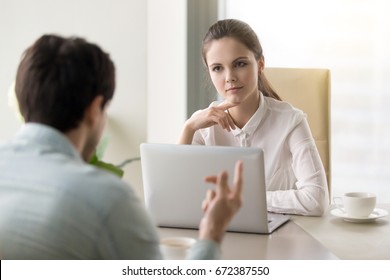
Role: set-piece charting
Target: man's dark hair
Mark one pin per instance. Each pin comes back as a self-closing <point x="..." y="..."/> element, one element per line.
<point x="58" y="78"/>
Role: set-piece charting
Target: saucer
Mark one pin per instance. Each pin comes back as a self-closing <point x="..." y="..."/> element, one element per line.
<point x="376" y="214"/>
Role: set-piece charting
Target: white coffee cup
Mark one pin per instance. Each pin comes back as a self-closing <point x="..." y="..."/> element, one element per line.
<point x="176" y="248"/>
<point x="356" y="204"/>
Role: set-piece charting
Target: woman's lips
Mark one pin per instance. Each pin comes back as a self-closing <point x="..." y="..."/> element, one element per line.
<point x="233" y="89"/>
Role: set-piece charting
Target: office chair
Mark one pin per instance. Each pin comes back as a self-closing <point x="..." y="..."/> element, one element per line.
<point x="308" y="90"/>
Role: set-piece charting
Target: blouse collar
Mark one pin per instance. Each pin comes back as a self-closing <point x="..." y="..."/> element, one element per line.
<point x="254" y="121"/>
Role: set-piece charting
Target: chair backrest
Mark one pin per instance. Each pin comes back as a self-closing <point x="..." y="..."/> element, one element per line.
<point x="308" y="90"/>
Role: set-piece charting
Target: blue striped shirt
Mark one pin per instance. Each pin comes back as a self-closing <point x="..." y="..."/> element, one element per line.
<point x="53" y="205"/>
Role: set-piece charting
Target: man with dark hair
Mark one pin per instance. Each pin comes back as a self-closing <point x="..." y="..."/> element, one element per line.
<point x="54" y="205"/>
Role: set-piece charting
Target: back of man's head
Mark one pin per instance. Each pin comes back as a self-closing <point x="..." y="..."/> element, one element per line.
<point x="58" y="78"/>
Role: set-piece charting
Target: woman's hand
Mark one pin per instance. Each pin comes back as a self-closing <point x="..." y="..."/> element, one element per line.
<point x="205" y="118"/>
<point x="211" y="116"/>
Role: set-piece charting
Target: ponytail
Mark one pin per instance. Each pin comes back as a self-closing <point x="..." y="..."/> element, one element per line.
<point x="265" y="87"/>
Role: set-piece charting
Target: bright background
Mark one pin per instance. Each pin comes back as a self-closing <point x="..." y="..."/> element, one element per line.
<point x="147" y="40"/>
<point x="352" y="39"/>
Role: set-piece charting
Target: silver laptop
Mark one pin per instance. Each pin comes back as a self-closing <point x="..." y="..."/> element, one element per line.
<point x="174" y="187"/>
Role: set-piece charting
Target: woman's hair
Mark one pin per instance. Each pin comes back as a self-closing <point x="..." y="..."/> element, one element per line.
<point x="58" y="78"/>
<point x="243" y="33"/>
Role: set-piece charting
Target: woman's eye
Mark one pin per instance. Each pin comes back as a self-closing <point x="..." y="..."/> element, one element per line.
<point x="241" y="64"/>
<point x="216" y="68"/>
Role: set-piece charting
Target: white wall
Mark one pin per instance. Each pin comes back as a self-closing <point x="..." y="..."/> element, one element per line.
<point x="119" y="26"/>
<point x="167" y="69"/>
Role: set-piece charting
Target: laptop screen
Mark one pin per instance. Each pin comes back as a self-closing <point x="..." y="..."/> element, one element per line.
<point x="174" y="187"/>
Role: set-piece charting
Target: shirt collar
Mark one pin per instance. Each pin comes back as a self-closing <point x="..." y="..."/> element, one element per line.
<point x="45" y="136"/>
<point x="254" y="121"/>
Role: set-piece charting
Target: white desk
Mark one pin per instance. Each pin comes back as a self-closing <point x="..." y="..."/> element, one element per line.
<point x="305" y="238"/>
<point x="348" y="240"/>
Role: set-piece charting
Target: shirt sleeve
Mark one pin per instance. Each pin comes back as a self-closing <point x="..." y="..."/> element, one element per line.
<point x="311" y="194"/>
<point x="198" y="138"/>
<point x="205" y="250"/>
<point x="128" y="232"/>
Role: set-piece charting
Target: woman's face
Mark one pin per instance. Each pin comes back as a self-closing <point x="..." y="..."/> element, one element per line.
<point x="233" y="70"/>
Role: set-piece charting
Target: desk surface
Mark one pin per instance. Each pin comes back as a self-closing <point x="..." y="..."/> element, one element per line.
<point x="303" y="238"/>
<point x="348" y="240"/>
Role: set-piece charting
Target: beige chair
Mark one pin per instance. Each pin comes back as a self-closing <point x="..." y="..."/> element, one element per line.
<point x="308" y="90"/>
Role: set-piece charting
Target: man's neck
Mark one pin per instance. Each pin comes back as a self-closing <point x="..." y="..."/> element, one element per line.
<point x="77" y="137"/>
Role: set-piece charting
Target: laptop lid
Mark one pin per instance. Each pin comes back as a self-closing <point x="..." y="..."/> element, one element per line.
<point x="174" y="187"/>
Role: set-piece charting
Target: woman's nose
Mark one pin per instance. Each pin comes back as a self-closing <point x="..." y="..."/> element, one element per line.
<point x="230" y="77"/>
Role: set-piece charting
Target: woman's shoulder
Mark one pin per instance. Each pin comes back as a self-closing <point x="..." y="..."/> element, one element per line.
<point x="283" y="112"/>
<point x="283" y="107"/>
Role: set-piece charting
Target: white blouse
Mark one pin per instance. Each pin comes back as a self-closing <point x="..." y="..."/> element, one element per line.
<point x="295" y="177"/>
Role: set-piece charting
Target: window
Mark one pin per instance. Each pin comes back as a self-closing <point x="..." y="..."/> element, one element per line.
<point x="352" y="39"/>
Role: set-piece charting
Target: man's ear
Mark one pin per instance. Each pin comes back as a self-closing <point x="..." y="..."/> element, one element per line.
<point x="94" y="110"/>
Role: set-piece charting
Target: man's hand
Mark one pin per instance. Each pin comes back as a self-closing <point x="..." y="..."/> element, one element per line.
<point x="221" y="205"/>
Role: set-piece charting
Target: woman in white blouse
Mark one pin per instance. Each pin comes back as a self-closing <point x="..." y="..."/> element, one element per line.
<point x="253" y="115"/>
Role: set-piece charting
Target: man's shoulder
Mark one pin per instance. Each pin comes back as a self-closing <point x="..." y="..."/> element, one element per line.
<point x="95" y="179"/>
<point x="62" y="175"/>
